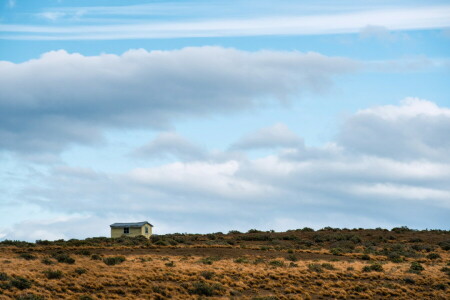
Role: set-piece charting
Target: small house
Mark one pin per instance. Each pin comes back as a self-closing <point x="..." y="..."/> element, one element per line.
<point x="131" y="229"/>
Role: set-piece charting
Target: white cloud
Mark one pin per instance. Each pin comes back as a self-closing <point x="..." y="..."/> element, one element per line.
<point x="71" y="98"/>
<point x="331" y="185"/>
<point x="351" y="21"/>
<point x="274" y="136"/>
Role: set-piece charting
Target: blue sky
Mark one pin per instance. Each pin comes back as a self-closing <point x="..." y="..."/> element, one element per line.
<point x="204" y="116"/>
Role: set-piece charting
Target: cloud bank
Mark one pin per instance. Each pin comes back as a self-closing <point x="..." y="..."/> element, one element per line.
<point x="86" y="94"/>
<point x="357" y="180"/>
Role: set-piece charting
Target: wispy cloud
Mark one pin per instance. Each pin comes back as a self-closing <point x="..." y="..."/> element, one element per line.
<point x="303" y="24"/>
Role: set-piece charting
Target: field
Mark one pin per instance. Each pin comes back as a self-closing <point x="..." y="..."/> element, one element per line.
<point x="299" y="264"/>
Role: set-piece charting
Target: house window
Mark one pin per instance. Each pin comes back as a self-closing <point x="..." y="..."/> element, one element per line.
<point x="126" y="230"/>
<point x="146" y="230"/>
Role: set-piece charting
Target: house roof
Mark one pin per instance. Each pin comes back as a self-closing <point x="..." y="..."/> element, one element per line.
<point x="137" y="224"/>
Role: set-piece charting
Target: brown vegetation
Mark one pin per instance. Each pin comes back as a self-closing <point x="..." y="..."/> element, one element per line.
<point x="325" y="264"/>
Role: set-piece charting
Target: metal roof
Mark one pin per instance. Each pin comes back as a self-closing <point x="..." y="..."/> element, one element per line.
<point x="137" y="224"/>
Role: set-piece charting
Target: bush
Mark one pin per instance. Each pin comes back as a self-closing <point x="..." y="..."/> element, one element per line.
<point x="276" y="263"/>
<point x="85" y="297"/>
<point x="207" y="274"/>
<point x="47" y="261"/>
<point x="433" y="256"/>
<point x="446" y="270"/>
<point x="292" y="257"/>
<point x="3" y="276"/>
<point x="204" y="289"/>
<point x="96" y="257"/>
<point x="30" y="297"/>
<point x="20" y="283"/>
<point x="365" y="257"/>
<point x="84" y="252"/>
<point x="53" y="274"/>
<point x="80" y="271"/>
<point x="209" y="260"/>
<point x="234" y="232"/>
<point x="170" y="264"/>
<point x="416" y="267"/>
<point x="114" y="260"/>
<point x="445" y="245"/>
<point x="241" y="260"/>
<point x="253" y="231"/>
<point x="336" y="251"/>
<point x="27" y="256"/>
<point x="64" y="258"/>
<point x="328" y="266"/>
<point x="374" y="267"/>
<point x="315" y="268"/>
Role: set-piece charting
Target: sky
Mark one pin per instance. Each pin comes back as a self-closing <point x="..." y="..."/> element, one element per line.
<point x="207" y="116"/>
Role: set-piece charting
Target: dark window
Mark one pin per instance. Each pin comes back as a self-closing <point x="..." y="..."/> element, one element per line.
<point x="146" y="229"/>
<point x="126" y="230"/>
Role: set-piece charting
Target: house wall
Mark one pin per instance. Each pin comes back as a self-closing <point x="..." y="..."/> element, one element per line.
<point x="134" y="231"/>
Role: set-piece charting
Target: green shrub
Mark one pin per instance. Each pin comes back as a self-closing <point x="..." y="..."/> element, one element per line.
<point x="374" y="267"/>
<point x="96" y="257"/>
<point x="315" y="268"/>
<point x="64" y="258"/>
<point x="276" y="263"/>
<point x="328" y="266"/>
<point x="446" y="270"/>
<point x="204" y="289"/>
<point x="207" y="274"/>
<point x="416" y="267"/>
<point x="234" y="232"/>
<point x="365" y="257"/>
<point x="85" y="297"/>
<point x="114" y="260"/>
<point x="47" y="261"/>
<point x="433" y="256"/>
<point x="292" y="257"/>
<point x="20" y="283"/>
<point x="336" y="251"/>
<point x="53" y="274"/>
<point x="445" y="245"/>
<point x="27" y="256"/>
<point x="80" y="271"/>
<point x="241" y="260"/>
<point x="3" y="276"/>
<point x="253" y="231"/>
<point x="209" y="260"/>
<point x="84" y="252"/>
<point x="170" y="264"/>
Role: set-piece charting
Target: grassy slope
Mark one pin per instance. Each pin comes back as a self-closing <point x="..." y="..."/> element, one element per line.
<point x="291" y="265"/>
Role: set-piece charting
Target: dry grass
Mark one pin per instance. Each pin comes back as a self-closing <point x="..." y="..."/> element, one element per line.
<point x="192" y="272"/>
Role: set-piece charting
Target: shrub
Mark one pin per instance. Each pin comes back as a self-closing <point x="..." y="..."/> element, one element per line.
<point x="204" y="289"/>
<point x="292" y="257"/>
<point x="80" y="271"/>
<point x="29" y="297"/>
<point x="114" y="260"/>
<point x="170" y="264"/>
<point x="47" y="261"/>
<point x="365" y="257"/>
<point x="27" y="256"/>
<point x="207" y="274"/>
<point x="445" y="245"/>
<point x="53" y="274"/>
<point x="409" y="280"/>
<point x="307" y="229"/>
<point x="276" y="263"/>
<point x="96" y="257"/>
<point x="20" y="283"/>
<point x="253" y="231"/>
<point x="328" y="266"/>
<point x="3" y="276"/>
<point x="315" y="268"/>
<point x="241" y="260"/>
<point x="85" y="297"/>
<point x="433" y="256"/>
<point x="416" y="267"/>
<point x="336" y="251"/>
<point x="446" y="270"/>
<point x="208" y="260"/>
<point x="234" y="232"/>
<point x="84" y="252"/>
<point x="64" y="258"/>
<point x="440" y="286"/>
<point x="374" y="267"/>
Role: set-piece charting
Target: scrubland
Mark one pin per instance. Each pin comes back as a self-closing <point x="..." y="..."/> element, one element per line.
<point x="299" y="264"/>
